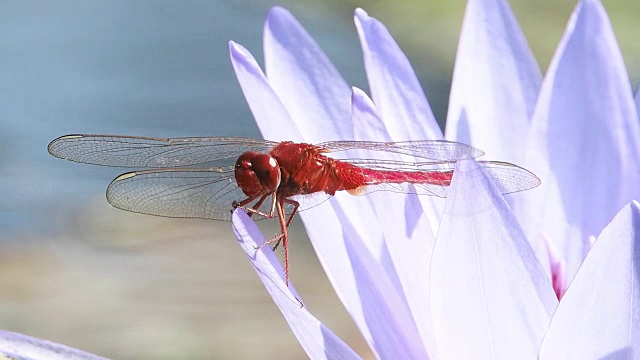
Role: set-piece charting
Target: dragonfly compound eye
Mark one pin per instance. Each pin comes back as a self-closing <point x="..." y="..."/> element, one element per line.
<point x="246" y="177"/>
<point x="267" y="170"/>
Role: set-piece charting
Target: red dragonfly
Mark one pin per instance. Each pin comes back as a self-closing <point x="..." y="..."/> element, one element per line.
<point x="268" y="177"/>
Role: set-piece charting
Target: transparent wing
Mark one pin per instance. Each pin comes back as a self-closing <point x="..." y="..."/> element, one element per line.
<point x="510" y="178"/>
<point x="148" y="152"/>
<point x="437" y="150"/>
<point x="206" y="193"/>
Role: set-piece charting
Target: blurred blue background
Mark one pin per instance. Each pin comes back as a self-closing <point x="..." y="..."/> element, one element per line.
<point x="129" y="286"/>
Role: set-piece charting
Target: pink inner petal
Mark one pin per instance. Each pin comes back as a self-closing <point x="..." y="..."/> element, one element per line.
<point x="599" y="316"/>
<point x="557" y="266"/>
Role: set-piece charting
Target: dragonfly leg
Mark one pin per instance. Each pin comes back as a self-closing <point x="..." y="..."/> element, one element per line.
<point x="275" y="238"/>
<point x="257" y="205"/>
<point x="254" y="209"/>
<point x="282" y="237"/>
<point x="279" y="237"/>
<point x="296" y="205"/>
<point x="242" y="203"/>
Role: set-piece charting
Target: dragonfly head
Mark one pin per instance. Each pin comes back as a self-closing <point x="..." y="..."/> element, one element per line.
<point x="257" y="173"/>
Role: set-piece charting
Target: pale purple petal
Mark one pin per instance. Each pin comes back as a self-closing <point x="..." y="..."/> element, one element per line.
<point x="18" y="346"/>
<point x="267" y="108"/>
<point x="313" y="92"/>
<point x="490" y="298"/>
<point x="367" y="123"/>
<point x="317" y="340"/>
<point x="638" y="100"/>
<point x="599" y="316"/>
<point x="585" y="140"/>
<point x="407" y="234"/>
<point x="394" y="86"/>
<point x="496" y="81"/>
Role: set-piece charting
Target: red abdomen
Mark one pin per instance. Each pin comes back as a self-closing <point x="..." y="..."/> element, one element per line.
<point x="353" y="177"/>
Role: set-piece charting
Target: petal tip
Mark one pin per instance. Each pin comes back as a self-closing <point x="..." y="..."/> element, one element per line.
<point x="237" y="215"/>
<point x="357" y="92"/>
<point x="360" y="99"/>
<point x="276" y="11"/>
<point x="467" y="165"/>
<point x="237" y="50"/>
<point x="278" y="14"/>
<point x="241" y="57"/>
<point x="361" y="15"/>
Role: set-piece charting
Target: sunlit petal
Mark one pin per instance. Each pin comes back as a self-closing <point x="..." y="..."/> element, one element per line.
<point x="266" y="106"/>
<point x="490" y="298"/>
<point x="599" y="316"/>
<point x="18" y="346"/>
<point x="496" y="81"/>
<point x="395" y="89"/>
<point x="316" y="339"/>
<point x="585" y="138"/>
<point x="495" y="84"/>
<point x="638" y="100"/>
<point x="313" y="92"/>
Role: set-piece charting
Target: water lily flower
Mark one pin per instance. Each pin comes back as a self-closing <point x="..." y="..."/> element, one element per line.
<point x="470" y="277"/>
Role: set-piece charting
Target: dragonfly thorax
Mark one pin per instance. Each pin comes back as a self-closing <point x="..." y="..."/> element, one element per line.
<point x="257" y="173"/>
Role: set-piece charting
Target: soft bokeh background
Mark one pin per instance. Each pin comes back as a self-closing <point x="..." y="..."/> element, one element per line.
<point x="128" y="286"/>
